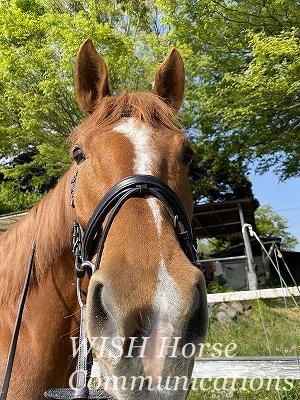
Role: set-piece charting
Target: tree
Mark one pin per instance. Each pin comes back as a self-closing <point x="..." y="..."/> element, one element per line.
<point x="271" y="224"/>
<point x="34" y="109"/>
<point x="38" y="109"/>
<point x="241" y="89"/>
<point x="243" y="77"/>
<point x="216" y="178"/>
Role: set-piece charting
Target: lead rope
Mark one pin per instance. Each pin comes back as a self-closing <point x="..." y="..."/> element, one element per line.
<point x="84" y="365"/>
<point x="14" y="340"/>
<point x="82" y="391"/>
<point x="85" y="357"/>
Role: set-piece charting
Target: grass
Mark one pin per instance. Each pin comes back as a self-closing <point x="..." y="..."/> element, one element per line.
<point x="249" y="391"/>
<point x="265" y="331"/>
<point x="268" y="329"/>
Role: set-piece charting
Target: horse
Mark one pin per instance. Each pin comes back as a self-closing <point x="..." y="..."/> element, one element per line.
<point x="146" y="307"/>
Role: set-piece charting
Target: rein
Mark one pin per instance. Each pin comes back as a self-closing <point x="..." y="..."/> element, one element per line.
<point x="14" y="340"/>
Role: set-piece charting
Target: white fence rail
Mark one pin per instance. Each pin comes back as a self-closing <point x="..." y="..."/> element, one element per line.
<point x="248" y="367"/>
<point x="242" y="367"/>
<point x="253" y="294"/>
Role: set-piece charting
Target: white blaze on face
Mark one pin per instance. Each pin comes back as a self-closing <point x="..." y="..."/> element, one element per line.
<point x="166" y="305"/>
<point x="166" y="302"/>
<point x="140" y="135"/>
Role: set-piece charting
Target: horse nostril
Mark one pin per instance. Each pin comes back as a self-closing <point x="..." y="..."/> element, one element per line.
<point x="196" y="329"/>
<point x="102" y="326"/>
<point x="96" y="304"/>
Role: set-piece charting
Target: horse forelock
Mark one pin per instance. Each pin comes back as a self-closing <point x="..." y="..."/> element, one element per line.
<point x="145" y="107"/>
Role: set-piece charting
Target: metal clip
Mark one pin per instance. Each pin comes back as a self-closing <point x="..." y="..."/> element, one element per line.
<point x="79" y="298"/>
<point x="89" y="267"/>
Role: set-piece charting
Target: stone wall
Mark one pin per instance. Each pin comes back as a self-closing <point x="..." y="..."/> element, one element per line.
<point x="226" y="312"/>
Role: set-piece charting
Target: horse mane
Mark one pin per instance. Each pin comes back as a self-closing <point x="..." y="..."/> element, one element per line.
<point x="49" y="224"/>
<point x="146" y="107"/>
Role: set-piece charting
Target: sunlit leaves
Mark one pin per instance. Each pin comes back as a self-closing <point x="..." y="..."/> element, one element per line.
<point x="271" y="224"/>
<point x="38" y="45"/>
<point x="243" y="77"/>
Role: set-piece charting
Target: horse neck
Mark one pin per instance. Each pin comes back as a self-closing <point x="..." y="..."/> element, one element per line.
<point x="50" y="315"/>
<point x="49" y="225"/>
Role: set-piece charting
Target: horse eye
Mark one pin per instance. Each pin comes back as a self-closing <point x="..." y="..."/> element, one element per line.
<point x="78" y="155"/>
<point x="188" y="156"/>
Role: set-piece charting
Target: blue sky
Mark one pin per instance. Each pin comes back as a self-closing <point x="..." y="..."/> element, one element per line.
<point x="283" y="196"/>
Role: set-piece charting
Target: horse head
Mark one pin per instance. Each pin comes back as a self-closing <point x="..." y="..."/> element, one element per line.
<point x="146" y="303"/>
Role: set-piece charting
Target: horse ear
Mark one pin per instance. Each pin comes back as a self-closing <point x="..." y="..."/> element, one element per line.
<point x="169" y="80"/>
<point x="90" y="77"/>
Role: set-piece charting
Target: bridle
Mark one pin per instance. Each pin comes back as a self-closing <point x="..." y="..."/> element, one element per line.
<point x="85" y="242"/>
<point x="90" y="242"/>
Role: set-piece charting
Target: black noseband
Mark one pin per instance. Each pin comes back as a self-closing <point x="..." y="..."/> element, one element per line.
<point x="136" y="186"/>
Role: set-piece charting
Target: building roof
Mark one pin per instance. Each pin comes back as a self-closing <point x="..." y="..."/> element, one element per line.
<point x="222" y="219"/>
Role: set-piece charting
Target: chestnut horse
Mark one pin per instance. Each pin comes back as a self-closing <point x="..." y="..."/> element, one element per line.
<point x="146" y="303"/>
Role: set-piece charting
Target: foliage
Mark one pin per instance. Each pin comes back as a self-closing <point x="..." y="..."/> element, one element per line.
<point x="34" y="109"/>
<point x="242" y="89"/>
<point x="216" y="287"/>
<point x="243" y="77"/>
<point x="38" y="109"/>
<point x="9" y="201"/>
<point x="271" y="224"/>
<point x="219" y="245"/>
<point x="217" y="178"/>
